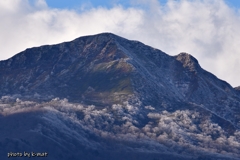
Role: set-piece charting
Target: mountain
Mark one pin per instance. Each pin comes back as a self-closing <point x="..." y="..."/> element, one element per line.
<point x="106" y="97"/>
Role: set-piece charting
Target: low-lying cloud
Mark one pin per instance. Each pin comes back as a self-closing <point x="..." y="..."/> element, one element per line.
<point x="207" y="29"/>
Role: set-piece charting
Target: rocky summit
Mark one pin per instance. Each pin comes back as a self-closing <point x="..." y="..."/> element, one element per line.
<point x="105" y="97"/>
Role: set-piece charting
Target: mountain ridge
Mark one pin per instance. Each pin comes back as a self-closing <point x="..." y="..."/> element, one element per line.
<point x="105" y="85"/>
<point x="92" y="55"/>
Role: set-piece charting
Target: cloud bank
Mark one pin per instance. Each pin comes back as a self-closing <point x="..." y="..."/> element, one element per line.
<point x="207" y="29"/>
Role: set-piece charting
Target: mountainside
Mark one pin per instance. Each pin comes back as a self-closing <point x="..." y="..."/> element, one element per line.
<point x="106" y="97"/>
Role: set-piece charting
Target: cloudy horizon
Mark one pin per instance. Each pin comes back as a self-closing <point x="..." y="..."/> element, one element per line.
<point x="207" y="29"/>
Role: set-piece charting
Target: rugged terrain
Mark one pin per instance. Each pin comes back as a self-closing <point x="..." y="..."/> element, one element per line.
<point x="106" y="97"/>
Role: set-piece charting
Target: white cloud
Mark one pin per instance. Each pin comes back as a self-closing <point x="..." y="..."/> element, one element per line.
<point x="207" y="29"/>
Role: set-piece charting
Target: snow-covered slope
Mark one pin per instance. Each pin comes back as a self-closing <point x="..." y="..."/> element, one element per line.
<point x="104" y="96"/>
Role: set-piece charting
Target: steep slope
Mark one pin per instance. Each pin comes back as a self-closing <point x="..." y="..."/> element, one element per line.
<point x="120" y="94"/>
<point x="71" y="69"/>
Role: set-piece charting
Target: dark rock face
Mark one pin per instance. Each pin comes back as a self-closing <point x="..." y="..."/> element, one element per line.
<point x="68" y="69"/>
<point x="147" y="104"/>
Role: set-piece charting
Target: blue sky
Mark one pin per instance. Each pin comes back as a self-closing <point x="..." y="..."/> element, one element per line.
<point x="74" y="4"/>
<point x="95" y="3"/>
<point x="233" y="3"/>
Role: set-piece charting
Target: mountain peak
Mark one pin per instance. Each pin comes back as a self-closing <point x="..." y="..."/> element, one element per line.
<point x="101" y="36"/>
<point x="188" y="60"/>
